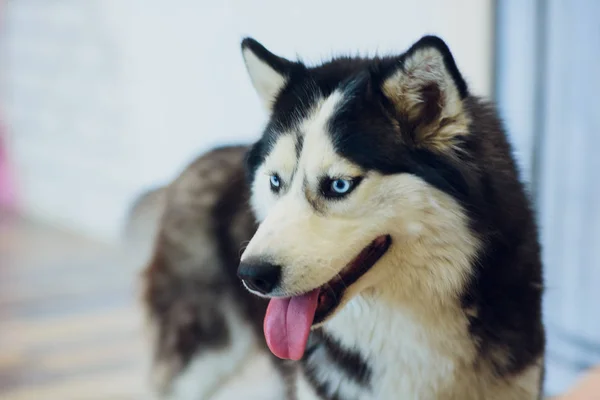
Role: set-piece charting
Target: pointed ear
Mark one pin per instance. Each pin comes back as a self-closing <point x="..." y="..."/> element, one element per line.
<point x="268" y="72"/>
<point x="427" y="90"/>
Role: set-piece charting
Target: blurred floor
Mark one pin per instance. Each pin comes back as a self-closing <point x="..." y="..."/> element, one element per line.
<point x="69" y="327"/>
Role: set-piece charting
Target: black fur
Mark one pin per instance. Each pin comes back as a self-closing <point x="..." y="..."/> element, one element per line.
<point x="506" y="288"/>
<point x="503" y="297"/>
<point x="438" y="44"/>
<point x="325" y="352"/>
<point x="349" y="362"/>
<point x="279" y="64"/>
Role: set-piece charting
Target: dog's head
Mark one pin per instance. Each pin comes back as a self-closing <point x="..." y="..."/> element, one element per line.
<point x="356" y="179"/>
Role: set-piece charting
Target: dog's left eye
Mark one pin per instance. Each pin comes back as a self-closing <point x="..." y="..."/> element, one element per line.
<point x="339" y="187"/>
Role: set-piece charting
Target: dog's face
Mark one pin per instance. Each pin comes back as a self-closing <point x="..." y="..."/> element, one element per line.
<point x="357" y="174"/>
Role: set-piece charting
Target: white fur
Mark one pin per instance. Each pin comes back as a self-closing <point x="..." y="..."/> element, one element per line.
<point x="257" y="380"/>
<point x="267" y="81"/>
<point x="304" y="390"/>
<point x="281" y="160"/>
<point x="212" y="368"/>
<point x="406" y="358"/>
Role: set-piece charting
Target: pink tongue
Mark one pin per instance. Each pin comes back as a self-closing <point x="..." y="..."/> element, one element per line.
<point x="287" y="324"/>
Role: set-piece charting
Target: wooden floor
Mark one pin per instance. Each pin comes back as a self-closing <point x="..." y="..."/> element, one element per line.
<point x="69" y="326"/>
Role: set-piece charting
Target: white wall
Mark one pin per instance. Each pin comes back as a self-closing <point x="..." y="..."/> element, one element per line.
<point x="104" y="97"/>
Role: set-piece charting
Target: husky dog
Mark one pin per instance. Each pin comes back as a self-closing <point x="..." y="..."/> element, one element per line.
<point x="394" y="243"/>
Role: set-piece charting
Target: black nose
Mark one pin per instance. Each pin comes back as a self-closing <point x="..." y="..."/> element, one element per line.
<point x="259" y="276"/>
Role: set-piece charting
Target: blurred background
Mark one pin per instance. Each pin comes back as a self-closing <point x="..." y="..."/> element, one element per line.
<point x="101" y="100"/>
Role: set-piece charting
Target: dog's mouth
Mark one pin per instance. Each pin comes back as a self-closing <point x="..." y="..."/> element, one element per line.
<point x="288" y="320"/>
<point x="331" y="293"/>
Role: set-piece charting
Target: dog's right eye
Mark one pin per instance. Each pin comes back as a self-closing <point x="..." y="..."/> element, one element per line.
<point x="275" y="181"/>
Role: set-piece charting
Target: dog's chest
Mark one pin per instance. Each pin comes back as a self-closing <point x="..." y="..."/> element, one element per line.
<point x="330" y="371"/>
<point x="373" y="355"/>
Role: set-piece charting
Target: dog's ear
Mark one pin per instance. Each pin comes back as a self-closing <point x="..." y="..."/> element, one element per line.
<point x="269" y="73"/>
<point x="427" y="91"/>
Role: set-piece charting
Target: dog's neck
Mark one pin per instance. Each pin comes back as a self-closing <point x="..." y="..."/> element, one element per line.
<point x="412" y="347"/>
<point x="412" y="333"/>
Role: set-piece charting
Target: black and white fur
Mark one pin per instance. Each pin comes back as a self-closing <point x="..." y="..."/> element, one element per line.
<point x="453" y="309"/>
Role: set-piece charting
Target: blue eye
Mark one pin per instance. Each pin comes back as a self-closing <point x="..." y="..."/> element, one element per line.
<point x="341" y="186"/>
<point x="275" y="182"/>
<point x="333" y="188"/>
